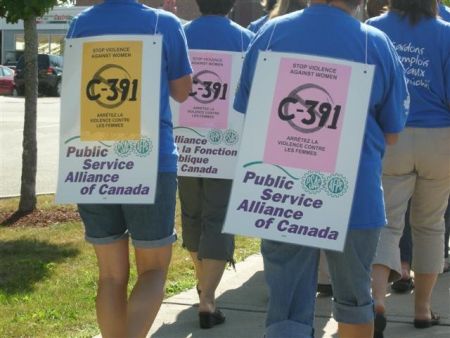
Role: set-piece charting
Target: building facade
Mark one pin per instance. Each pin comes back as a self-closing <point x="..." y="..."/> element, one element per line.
<point x="52" y="29"/>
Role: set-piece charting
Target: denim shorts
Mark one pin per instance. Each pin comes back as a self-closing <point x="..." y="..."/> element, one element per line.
<point x="291" y="275"/>
<point x="148" y="225"/>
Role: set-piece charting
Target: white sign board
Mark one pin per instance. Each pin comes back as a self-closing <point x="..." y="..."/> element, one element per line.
<point x="206" y="127"/>
<point x="300" y="151"/>
<point x="109" y="135"/>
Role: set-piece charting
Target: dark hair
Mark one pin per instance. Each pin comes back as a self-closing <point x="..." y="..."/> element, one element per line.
<point x="414" y="9"/>
<point x="376" y="7"/>
<point x="215" y="7"/>
<point x="268" y="5"/>
<point x="287" y="6"/>
<point x="351" y="3"/>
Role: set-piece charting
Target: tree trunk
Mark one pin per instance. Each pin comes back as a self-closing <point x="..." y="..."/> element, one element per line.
<point x="29" y="156"/>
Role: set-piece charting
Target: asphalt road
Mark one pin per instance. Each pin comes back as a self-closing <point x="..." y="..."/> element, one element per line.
<point x="11" y="135"/>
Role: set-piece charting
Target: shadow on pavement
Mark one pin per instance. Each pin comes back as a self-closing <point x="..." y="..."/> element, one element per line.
<point x="244" y="308"/>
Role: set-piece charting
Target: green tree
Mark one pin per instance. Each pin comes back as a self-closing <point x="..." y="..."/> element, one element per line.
<point x="28" y="11"/>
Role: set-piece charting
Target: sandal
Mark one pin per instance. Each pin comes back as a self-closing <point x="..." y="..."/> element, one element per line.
<point x="426" y="323"/>
<point x="209" y="319"/>
<point x="403" y="285"/>
<point x="325" y="290"/>
<point x="379" y="325"/>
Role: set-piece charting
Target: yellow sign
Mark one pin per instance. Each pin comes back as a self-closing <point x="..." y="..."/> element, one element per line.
<point x="111" y="91"/>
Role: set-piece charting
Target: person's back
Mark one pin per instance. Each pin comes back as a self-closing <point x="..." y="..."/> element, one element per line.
<point x="343" y="37"/>
<point x="204" y="200"/>
<point x="412" y="174"/>
<point x="214" y="32"/>
<point x="108" y="227"/>
<point x="130" y="17"/>
<point x="131" y="14"/>
<point x="424" y="49"/>
<point x="327" y="29"/>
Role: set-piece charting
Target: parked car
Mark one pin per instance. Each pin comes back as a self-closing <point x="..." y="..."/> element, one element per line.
<point x="49" y="74"/>
<point x="11" y="65"/>
<point x="11" y="58"/>
<point x="7" y="85"/>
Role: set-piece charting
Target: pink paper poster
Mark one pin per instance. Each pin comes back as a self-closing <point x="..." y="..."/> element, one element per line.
<point x="307" y="114"/>
<point x="208" y="104"/>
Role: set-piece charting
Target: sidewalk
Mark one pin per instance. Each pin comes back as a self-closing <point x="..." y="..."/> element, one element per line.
<point x="242" y="297"/>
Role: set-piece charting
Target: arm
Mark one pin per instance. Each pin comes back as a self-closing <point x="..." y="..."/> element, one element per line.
<point x="391" y="139"/>
<point x="180" y="88"/>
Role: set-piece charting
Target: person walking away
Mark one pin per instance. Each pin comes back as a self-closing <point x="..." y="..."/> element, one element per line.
<point x="327" y="28"/>
<point x="204" y="201"/>
<point x="151" y="227"/>
<point x="410" y="170"/>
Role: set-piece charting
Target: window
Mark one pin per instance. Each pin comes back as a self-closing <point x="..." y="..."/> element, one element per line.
<point x="47" y="43"/>
<point x="56" y="44"/>
<point x="7" y="72"/>
<point x="20" y="42"/>
<point x="44" y="44"/>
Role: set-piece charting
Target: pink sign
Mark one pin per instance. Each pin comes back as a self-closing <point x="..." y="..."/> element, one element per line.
<point x="307" y="115"/>
<point x="208" y="104"/>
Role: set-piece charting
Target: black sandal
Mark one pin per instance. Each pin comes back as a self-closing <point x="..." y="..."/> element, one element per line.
<point x="209" y="319"/>
<point x="426" y="323"/>
<point x="379" y="325"/>
<point x="403" y="285"/>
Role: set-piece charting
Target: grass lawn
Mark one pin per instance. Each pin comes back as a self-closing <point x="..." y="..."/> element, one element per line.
<point x="48" y="273"/>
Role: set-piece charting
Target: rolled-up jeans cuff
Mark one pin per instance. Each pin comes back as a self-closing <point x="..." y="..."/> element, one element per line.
<point x="155" y="244"/>
<point x="353" y="314"/>
<point x="289" y="329"/>
<point x="106" y="240"/>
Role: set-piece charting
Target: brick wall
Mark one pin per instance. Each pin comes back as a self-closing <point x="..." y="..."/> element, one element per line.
<point x="244" y="10"/>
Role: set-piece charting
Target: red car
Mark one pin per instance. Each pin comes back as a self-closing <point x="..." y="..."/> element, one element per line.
<point x="7" y="85"/>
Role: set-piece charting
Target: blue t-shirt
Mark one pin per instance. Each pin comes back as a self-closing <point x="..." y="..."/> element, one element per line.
<point x="254" y="26"/>
<point x="130" y="17"/>
<point x="444" y="12"/>
<point x="328" y="31"/>
<point x="424" y="49"/>
<point x="213" y="32"/>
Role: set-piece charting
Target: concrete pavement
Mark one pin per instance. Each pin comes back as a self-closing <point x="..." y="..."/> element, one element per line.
<point x="242" y="296"/>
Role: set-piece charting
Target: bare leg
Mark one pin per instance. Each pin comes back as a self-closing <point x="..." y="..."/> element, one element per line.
<point x="355" y="330"/>
<point x="380" y="277"/>
<point x="406" y="270"/>
<point x="212" y="271"/>
<point x="148" y="293"/>
<point x="424" y="288"/>
<point x="111" y="302"/>
<point x="198" y="268"/>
